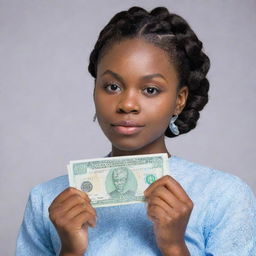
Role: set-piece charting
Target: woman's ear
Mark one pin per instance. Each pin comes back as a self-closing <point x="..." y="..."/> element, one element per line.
<point x="181" y="100"/>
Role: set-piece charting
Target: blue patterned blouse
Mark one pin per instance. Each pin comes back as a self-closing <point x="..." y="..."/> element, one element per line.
<point x="222" y="223"/>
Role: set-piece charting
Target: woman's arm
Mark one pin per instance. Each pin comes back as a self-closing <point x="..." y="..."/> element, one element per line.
<point x="32" y="239"/>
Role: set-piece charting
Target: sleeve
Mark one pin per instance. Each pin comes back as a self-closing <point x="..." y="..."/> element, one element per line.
<point x="33" y="238"/>
<point x="233" y="225"/>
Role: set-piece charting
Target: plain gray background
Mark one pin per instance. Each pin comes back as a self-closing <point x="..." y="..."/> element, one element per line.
<point x="46" y="106"/>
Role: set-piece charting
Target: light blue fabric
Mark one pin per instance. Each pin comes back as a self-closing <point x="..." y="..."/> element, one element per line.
<point x="222" y="223"/>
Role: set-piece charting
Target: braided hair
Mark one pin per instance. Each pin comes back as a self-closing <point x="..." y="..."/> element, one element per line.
<point x="173" y="34"/>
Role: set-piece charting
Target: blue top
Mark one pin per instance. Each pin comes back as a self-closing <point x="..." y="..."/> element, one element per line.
<point x="222" y="223"/>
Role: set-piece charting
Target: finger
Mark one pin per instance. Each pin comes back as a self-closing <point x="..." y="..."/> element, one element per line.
<point x="174" y="207"/>
<point x="158" y="215"/>
<point x="177" y="189"/>
<point x="156" y="201"/>
<point x="68" y="203"/>
<point x="71" y="191"/>
<point x="84" y="218"/>
<point x="77" y="209"/>
<point x="172" y="185"/>
<point x="66" y="194"/>
<point x="63" y="218"/>
<point x="154" y="185"/>
<point x="165" y="195"/>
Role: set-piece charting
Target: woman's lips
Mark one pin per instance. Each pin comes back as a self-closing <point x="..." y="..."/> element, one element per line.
<point x="129" y="127"/>
<point x="127" y="130"/>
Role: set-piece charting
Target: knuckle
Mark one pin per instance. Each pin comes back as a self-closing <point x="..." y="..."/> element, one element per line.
<point x="80" y="199"/>
<point x="157" y="191"/>
<point x="70" y="190"/>
<point x="86" y="195"/>
<point x="77" y="198"/>
<point x="83" y="205"/>
<point x="184" y="209"/>
<point x="92" y="209"/>
<point x="190" y="204"/>
<point x="166" y="178"/>
<point x="87" y="215"/>
<point x="50" y="209"/>
<point x="54" y="217"/>
<point x="55" y="214"/>
<point x="87" y="198"/>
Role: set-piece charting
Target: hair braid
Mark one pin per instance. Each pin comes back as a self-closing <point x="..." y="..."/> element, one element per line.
<point x="173" y="34"/>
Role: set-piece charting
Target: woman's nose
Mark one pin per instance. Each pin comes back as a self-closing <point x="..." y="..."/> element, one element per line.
<point x="128" y="103"/>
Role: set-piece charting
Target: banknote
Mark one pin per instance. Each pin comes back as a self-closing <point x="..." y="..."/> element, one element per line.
<point x="113" y="181"/>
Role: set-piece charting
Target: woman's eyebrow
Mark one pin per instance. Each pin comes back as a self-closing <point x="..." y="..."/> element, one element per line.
<point x="148" y="77"/>
<point x="115" y="75"/>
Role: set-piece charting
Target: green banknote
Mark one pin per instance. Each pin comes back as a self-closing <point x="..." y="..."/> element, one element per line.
<point x="117" y="180"/>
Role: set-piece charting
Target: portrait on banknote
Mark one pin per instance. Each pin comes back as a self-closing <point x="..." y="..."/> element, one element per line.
<point x="125" y="184"/>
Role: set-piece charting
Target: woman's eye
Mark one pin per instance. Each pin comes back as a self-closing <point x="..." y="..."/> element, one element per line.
<point x="151" y="91"/>
<point x="112" y="88"/>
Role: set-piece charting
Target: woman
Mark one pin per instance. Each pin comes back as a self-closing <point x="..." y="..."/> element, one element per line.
<point x="150" y="82"/>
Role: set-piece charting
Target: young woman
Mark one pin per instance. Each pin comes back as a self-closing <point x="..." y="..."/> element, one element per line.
<point x="150" y="82"/>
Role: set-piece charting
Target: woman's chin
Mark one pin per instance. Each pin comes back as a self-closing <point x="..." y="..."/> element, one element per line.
<point x="131" y="146"/>
<point x="135" y="144"/>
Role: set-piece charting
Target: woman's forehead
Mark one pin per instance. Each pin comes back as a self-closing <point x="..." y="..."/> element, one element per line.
<point x="136" y="56"/>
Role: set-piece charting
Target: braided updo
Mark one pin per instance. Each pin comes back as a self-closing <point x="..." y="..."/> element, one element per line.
<point x="171" y="33"/>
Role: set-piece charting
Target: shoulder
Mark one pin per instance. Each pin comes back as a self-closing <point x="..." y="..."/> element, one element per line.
<point x="198" y="175"/>
<point x="215" y="187"/>
<point x="48" y="190"/>
<point x="220" y="199"/>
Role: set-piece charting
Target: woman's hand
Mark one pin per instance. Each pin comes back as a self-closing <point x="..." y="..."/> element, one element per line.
<point x="169" y="208"/>
<point x="71" y="213"/>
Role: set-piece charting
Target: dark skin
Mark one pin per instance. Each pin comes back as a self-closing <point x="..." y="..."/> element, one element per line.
<point x="72" y="214"/>
<point x="136" y="82"/>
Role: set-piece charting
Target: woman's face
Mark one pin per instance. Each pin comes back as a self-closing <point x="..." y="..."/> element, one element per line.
<point x="136" y="94"/>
